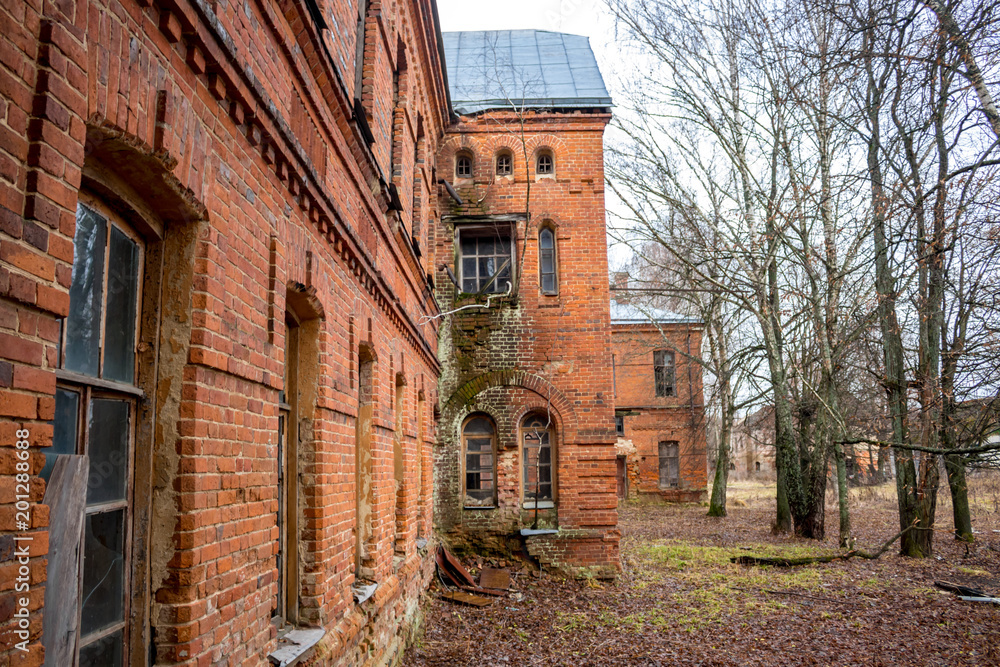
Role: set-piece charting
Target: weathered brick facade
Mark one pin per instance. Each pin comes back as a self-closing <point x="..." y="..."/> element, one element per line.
<point x="221" y="141"/>
<point x="649" y="420"/>
<point x="530" y="354"/>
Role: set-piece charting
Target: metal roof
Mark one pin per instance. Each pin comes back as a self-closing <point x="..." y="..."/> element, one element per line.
<point x="626" y="313"/>
<point x="498" y="69"/>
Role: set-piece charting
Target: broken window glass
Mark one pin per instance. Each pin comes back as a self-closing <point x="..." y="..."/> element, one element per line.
<point x="663" y="369"/>
<point x="83" y="326"/>
<point x="485" y="261"/>
<point x="104" y="572"/>
<point x="537" y="460"/>
<point x="108" y="450"/>
<point x="63" y="429"/>
<point x="505" y="164"/>
<point x="123" y="285"/>
<point x="480" y="472"/>
<point x="669" y="464"/>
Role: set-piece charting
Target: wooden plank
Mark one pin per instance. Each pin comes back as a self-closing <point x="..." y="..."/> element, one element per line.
<point x="66" y="496"/>
<point x="467" y="598"/>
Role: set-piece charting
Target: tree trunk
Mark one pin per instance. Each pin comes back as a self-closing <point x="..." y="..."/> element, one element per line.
<point x="954" y="464"/>
<point x="842" y="496"/>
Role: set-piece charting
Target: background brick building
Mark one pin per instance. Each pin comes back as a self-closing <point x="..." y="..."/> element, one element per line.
<point x="214" y="247"/>
<point x="525" y="449"/>
<point x="659" y="405"/>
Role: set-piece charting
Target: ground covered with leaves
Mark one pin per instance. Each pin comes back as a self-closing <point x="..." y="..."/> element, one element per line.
<point x="680" y="601"/>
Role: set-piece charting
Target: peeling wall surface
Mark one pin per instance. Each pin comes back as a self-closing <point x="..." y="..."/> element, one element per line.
<point x="272" y="165"/>
<point x="649" y="419"/>
<point x="533" y="352"/>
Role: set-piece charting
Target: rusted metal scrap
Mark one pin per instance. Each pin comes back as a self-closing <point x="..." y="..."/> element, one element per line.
<point x="491" y="577"/>
<point x="467" y="598"/>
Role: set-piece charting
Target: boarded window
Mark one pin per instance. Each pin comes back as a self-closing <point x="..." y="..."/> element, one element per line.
<point x="669" y="464"/>
<point x="663" y="369"/>
<point x="98" y="418"/>
<point x="537" y="460"/>
<point x="479" y="444"/>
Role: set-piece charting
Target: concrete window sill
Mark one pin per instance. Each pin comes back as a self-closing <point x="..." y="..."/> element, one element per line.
<point x="294" y="645"/>
<point x="541" y="504"/>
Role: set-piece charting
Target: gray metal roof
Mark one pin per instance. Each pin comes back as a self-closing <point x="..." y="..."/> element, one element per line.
<point x="497" y="69"/>
<point x="627" y="313"/>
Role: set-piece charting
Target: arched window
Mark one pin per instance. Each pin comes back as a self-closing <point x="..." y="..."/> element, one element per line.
<point x="479" y="444"/>
<point x="505" y="163"/>
<point x="537" y="435"/>
<point x="547" y="261"/>
<point x="463" y="165"/>
<point x="545" y="164"/>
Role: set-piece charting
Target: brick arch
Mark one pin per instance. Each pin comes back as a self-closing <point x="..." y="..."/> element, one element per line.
<point x="305" y="301"/>
<point x="465" y="394"/>
<point x="550" y="141"/>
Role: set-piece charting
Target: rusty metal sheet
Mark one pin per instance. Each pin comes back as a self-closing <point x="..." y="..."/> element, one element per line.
<point x="453" y="569"/>
<point x="467" y="598"/>
<point x="492" y="577"/>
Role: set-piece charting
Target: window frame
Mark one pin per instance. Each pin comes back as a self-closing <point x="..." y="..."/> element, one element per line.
<point x="503" y="155"/>
<point x="665" y="373"/>
<point x="554" y="291"/>
<point x="464" y="155"/>
<point x="464" y="437"/>
<point x="548" y="442"/>
<point x="663" y="458"/>
<point x="551" y="171"/>
<point x="620" y="425"/>
<point x="92" y="388"/>
<point x="498" y="230"/>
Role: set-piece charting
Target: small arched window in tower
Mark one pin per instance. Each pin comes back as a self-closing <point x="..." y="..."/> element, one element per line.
<point x="463" y="165"/>
<point x="547" y="261"/>
<point x="545" y="165"/>
<point x="505" y="163"/>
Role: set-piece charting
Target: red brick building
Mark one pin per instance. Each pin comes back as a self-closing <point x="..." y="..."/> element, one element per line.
<point x="215" y="240"/>
<point x="659" y="405"/>
<point x="525" y="452"/>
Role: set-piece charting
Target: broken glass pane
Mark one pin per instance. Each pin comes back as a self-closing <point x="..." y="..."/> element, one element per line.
<point x="468" y="245"/>
<point x="83" y="326"/>
<point x="105" y="652"/>
<point x="119" y="329"/>
<point x="103" y="571"/>
<point x="63" y="429"/>
<point x="108" y="450"/>
<point x="469" y="267"/>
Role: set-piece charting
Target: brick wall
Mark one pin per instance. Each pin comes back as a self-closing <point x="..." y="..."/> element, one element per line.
<point x="223" y="135"/>
<point x="531" y="353"/>
<point x="649" y="419"/>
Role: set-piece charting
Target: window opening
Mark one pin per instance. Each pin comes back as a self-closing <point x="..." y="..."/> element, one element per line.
<point x="547" y="260"/>
<point x="619" y="425"/>
<point x="479" y="443"/>
<point x="505" y="164"/>
<point x="537" y="461"/>
<point x="364" y="498"/>
<point x="669" y="464"/>
<point x="663" y="368"/>
<point x="545" y="164"/>
<point x="463" y="166"/>
<point x="98" y="419"/>
<point x="485" y="260"/>
<point x="399" y="520"/>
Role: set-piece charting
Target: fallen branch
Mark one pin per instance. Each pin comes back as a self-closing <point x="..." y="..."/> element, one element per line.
<point x="793" y="562"/>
